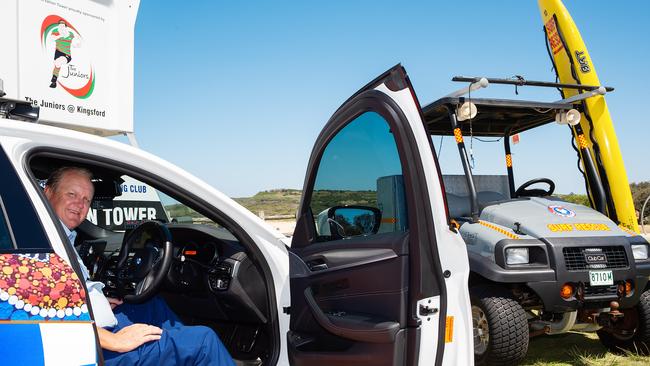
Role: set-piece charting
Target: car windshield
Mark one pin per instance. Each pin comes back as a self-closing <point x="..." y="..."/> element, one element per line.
<point x="542" y="152"/>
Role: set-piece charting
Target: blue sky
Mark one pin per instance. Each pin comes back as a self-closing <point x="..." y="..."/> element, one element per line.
<point x="236" y="92"/>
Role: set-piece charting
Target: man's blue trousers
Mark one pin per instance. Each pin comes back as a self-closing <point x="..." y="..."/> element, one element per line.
<point x="179" y="344"/>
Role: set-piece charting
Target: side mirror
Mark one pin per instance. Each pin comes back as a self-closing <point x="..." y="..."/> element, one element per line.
<point x="349" y="221"/>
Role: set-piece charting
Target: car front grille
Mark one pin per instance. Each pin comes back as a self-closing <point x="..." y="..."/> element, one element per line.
<point x="574" y="258"/>
<point x="592" y="291"/>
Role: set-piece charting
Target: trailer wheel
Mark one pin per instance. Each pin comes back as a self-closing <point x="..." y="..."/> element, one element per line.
<point x="635" y="339"/>
<point x="500" y="328"/>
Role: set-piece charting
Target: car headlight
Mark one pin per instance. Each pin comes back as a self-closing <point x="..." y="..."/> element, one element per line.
<point x="517" y="256"/>
<point x="640" y="251"/>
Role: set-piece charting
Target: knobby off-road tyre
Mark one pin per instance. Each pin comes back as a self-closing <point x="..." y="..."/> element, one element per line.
<point x="506" y="325"/>
<point x="639" y="340"/>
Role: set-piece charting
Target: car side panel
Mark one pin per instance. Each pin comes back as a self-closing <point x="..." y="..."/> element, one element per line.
<point x="43" y="306"/>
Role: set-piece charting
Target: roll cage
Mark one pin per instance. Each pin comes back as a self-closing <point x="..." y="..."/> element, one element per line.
<point x="505" y="118"/>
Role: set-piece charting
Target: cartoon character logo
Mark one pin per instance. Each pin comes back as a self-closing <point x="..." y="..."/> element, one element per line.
<point x="70" y="76"/>
<point x="561" y="211"/>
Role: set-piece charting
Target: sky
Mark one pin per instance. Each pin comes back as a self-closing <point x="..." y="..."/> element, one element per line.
<point x="236" y="92"/>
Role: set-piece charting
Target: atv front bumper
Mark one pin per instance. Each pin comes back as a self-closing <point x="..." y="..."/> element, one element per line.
<point x="555" y="262"/>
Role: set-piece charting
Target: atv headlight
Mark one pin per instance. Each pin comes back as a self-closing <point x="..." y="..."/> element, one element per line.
<point x="640" y="251"/>
<point x="517" y="256"/>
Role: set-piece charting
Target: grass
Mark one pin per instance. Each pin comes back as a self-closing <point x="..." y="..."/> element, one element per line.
<point x="274" y="202"/>
<point x="582" y="349"/>
<point x="285" y="201"/>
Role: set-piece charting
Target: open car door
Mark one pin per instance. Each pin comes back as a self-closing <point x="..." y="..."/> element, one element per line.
<point x="45" y="315"/>
<point x="378" y="275"/>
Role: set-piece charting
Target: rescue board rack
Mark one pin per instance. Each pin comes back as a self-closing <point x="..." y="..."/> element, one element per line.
<point x="483" y="82"/>
<point x="17" y="109"/>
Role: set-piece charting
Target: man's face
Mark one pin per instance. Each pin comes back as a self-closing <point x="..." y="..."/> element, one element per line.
<point x="63" y="30"/>
<point x="72" y="198"/>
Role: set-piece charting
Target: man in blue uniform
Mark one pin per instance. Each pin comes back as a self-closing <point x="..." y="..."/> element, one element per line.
<point x="144" y="334"/>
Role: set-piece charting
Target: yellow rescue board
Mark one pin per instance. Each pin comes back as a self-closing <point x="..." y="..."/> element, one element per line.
<point x="574" y="65"/>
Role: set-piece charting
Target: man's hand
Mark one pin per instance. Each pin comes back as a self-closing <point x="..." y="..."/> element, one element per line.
<point x="128" y="338"/>
<point x="114" y="302"/>
<point x="135" y="335"/>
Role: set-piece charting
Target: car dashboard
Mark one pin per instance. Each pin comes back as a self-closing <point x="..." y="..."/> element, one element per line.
<point x="211" y="277"/>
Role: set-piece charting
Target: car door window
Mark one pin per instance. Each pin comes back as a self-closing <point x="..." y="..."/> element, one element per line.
<point x="20" y="219"/>
<point x="6" y="241"/>
<point x="359" y="175"/>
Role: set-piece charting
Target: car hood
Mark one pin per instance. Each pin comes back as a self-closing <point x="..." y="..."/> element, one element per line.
<point x="549" y="217"/>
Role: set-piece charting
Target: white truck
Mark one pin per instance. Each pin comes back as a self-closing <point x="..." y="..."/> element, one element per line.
<point x="385" y="294"/>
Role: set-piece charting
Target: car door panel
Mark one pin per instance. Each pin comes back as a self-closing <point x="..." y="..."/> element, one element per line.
<point x="366" y="308"/>
<point x="44" y="309"/>
<point x="354" y="354"/>
<point x="353" y="326"/>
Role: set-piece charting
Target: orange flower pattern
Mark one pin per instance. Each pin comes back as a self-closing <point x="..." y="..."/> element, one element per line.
<point x="40" y="287"/>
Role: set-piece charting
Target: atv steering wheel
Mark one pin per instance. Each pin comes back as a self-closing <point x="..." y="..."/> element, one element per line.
<point x="144" y="260"/>
<point x="523" y="192"/>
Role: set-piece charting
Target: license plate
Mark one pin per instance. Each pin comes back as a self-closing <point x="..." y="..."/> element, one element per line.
<point x="601" y="278"/>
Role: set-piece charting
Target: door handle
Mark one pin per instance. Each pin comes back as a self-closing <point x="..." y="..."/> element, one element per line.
<point x="317" y="266"/>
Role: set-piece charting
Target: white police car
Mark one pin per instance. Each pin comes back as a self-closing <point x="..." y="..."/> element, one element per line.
<point x="382" y="280"/>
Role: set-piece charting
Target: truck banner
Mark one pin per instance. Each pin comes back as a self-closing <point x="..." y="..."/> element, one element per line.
<point x="73" y="59"/>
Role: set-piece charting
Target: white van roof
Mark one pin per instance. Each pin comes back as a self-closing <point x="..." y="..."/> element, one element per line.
<point x="90" y="87"/>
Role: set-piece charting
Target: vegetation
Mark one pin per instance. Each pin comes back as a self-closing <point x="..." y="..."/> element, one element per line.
<point x="284" y="202"/>
<point x="577" y="349"/>
<point x="276" y="202"/>
<point x="640" y="192"/>
<point x="324" y="199"/>
<point x="580" y="199"/>
<point x="180" y="210"/>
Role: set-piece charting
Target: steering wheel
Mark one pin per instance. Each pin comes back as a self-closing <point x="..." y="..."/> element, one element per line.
<point x="523" y="192"/>
<point x="144" y="260"/>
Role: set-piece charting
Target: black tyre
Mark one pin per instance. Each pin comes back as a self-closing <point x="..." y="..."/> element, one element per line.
<point x="636" y="338"/>
<point x="500" y="328"/>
